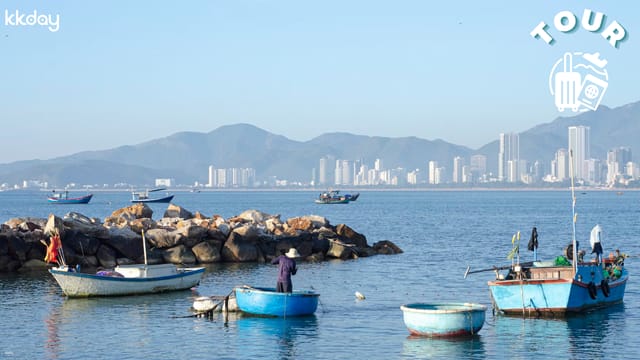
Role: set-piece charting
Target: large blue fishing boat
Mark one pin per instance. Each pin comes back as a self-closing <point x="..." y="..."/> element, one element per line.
<point x="568" y="284"/>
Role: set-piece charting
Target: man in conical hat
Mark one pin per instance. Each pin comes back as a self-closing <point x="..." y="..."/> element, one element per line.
<point x="286" y="268"/>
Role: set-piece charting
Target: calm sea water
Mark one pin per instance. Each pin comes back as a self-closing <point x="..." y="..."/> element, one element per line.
<point x="440" y="232"/>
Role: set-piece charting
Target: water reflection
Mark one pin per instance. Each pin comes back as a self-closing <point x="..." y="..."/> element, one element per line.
<point x="465" y="347"/>
<point x="282" y="336"/>
<point x="576" y="336"/>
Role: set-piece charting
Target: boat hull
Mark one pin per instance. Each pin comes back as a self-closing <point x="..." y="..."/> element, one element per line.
<point x="79" y="200"/>
<point x="444" y="319"/>
<point x="332" y="201"/>
<point x="165" y="199"/>
<point x="559" y="296"/>
<point x="76" y="284"/>
<point x="268" y="302"/>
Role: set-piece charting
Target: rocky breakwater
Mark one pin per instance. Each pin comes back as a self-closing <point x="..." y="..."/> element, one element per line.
<point x="179" y="237"/>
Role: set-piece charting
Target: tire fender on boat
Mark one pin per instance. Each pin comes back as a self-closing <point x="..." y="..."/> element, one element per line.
<point x="593" y="292"/>
<point x="604" y="285"/>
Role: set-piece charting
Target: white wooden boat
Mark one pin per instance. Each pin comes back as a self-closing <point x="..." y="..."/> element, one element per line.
<point x="126" y="280"/>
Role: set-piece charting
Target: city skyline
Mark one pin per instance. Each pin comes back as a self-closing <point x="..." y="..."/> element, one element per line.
<point x="617" y="167"/>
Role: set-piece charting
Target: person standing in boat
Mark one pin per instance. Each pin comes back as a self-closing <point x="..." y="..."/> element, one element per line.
<point x="596" y="243"/>
<point x="286" y="268"/>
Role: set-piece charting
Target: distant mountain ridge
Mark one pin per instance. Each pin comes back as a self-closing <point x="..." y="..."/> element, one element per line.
<point x="186" y="156"/>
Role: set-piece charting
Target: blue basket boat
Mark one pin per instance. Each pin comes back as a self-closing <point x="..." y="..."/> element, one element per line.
<point x="444" y="319"/>
<point x="268" y="302"/>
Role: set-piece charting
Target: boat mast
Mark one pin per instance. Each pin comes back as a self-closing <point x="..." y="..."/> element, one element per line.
<point x="574" y="215"/>
<point x="144" y="249"/>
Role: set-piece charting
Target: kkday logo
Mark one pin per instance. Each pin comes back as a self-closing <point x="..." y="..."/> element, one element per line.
<point x="578" y="80"/>
<point x="23" y="19"/>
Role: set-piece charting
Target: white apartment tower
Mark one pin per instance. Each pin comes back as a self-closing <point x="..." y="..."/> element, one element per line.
<point x="212" y="176"/>
<point x="433" y="179"/>
<point x="458" y="163"/>
<point x="509" y="153"/>
<point x="580" y="146"/>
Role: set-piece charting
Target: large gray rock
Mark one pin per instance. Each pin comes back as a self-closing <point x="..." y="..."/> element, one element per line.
<point x="207" y="252"/>
<point x="4" y="243"/>
<point x="191" y="232"/>
<point x="106" y="256"/>
<point x="299" y="223"/>
<point x="350" y="236"/>
<point x="239" y="249"/>
<point x="386" y="247"/>
<point x="340" y="250"/>
<point x="176" y="211"/>
<point x="126" y="242"/>
<point x="252" y="216"/>
<point x="163" y="238"/>
<point x="216" y="234"/>
<point x="317" y="221"/>
<point x="33" y="264"/>
<point x="135" y="211"/>
<point x="54" y="224"/>
<point x="81" y="242"/>
<point x="8" y="264"/>
<point x="179" y="255"/>
<point x="17" y="247"/>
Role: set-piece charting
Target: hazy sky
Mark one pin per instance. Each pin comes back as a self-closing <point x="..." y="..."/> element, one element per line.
<point x="125" y="72"/>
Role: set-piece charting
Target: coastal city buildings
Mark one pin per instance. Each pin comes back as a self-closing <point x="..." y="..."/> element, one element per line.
<point x="505" y="168"/>
<point x="511" y="168"/>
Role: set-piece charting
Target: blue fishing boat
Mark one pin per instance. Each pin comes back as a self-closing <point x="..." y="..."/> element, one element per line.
<point x="268" y="302"/>
<point x="334" y="197"/>
<point x="443" y="319"/>
<point x="568" y="284"/>
<point x="62" y="197"/>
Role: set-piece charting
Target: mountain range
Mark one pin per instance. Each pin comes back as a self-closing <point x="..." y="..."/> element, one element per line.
<point x="186" y="156"/>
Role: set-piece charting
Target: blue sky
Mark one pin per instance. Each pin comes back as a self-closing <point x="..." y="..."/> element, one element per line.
<point x="125" y="72"/>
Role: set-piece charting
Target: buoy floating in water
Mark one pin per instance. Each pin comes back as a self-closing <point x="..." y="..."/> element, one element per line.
<point x="359" y="295"/>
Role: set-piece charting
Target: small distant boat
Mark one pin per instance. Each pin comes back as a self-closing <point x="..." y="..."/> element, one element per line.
<point x="126" y="280"/>
<point x="268" y="302"/>
<point x="63" y="198"/>
<point x="143" y="197"/>
<point x="443" y="319"/>
<point x="334" y="197"/>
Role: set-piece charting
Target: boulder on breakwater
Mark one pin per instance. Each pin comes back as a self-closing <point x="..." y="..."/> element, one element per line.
<point x="179" y="237"/>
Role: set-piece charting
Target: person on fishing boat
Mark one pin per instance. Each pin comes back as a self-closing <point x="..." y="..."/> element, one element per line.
<point x="595" y="241"/>
<point x="286" y="268"/>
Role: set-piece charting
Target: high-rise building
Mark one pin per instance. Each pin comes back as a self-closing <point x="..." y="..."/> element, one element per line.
<point x="458" y="163"/>
<point x="617" y="160"/>
<point x="478" y="165"/>
<point x="433" y="179"/>
<point x="378" y="165"/>
<point x="562" y="165"/>
<point x="326" y="171"/>
<point x="580" y="146"/>
<point x="509" y="151"/>
<point x="212" y="176"/>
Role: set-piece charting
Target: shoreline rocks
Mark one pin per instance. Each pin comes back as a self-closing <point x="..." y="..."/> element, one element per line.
<point x="179" y="237"/>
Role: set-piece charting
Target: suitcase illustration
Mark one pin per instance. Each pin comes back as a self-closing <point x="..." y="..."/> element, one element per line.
<point x="567" y="85"/>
